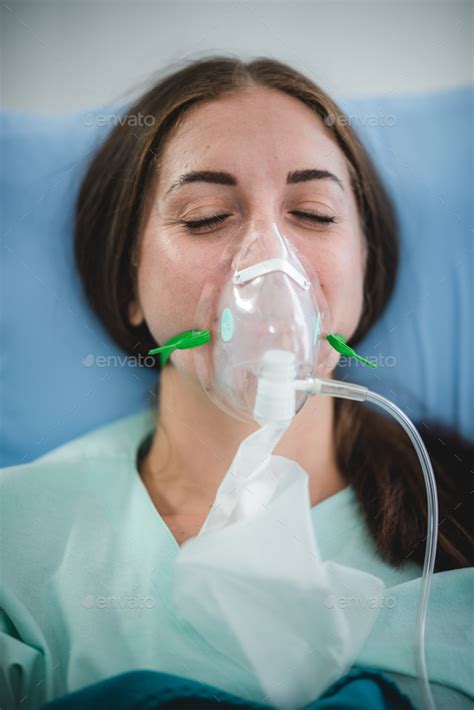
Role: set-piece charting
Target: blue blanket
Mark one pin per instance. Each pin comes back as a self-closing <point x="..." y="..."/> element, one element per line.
<point x="145" y="690"/>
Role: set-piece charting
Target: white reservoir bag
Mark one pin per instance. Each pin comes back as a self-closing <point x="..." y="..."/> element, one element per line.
<point x="254" y="585"/>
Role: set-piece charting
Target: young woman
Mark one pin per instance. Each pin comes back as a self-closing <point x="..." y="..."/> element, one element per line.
<point x="94" y="526"/>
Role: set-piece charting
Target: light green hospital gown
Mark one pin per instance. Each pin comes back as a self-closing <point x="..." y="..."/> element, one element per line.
<point x="86" y="593"/>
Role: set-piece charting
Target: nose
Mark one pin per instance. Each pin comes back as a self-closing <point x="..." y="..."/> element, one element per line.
<point x="262" y="240"/>
<point x="264" y="249"/>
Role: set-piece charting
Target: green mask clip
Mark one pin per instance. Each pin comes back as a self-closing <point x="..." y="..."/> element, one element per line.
<point x="194" y="338"/>
<point x="336" y="340"/>
<point x="183" y="341"/>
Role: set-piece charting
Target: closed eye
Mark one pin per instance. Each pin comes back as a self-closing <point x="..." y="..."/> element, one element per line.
<point x="193" y="225"/>
<point x="321" y="218"/>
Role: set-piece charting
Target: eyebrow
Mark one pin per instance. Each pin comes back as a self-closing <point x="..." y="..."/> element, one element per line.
<point x="223" y="178"/>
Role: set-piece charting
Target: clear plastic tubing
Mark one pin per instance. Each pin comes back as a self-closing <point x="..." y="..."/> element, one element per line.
<point x="357" y="392"/>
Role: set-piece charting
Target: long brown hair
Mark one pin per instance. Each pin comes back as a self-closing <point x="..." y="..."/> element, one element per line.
<point x="373" y="453"/>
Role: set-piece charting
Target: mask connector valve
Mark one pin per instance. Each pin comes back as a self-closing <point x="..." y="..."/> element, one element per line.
<point x="275" y="398"/>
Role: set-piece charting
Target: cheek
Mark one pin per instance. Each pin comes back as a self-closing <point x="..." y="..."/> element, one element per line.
<point x="341" y="275"/>
<point x="171" y="279"/>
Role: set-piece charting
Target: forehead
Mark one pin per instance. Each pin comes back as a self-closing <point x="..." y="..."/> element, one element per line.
<point x="257" y="124"/>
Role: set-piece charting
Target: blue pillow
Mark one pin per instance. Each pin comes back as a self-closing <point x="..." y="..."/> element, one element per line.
<point x="423" y="148"/>
<point x="61" y="374"/>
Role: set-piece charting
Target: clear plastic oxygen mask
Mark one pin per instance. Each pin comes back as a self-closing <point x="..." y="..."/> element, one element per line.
<point x="262" y="296"/>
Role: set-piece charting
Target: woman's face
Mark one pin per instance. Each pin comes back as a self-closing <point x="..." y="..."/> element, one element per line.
<point x="259" y="137"/>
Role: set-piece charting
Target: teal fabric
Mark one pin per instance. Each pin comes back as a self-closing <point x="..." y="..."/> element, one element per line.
<point x="143" y="690"/>
<point x="87" y="580"/>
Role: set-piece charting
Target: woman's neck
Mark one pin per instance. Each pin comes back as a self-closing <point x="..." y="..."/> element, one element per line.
<point x="195" y="442"/>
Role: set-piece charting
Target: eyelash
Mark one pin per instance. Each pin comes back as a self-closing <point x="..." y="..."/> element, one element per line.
<point x="217" y="219"/>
